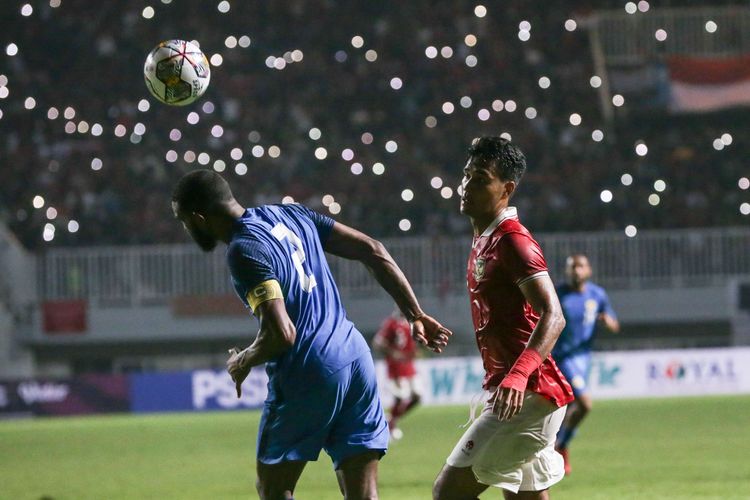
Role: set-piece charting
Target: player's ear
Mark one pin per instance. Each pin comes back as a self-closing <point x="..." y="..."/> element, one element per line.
<point x="510" y="188"/>
<point x="199" y="219"/>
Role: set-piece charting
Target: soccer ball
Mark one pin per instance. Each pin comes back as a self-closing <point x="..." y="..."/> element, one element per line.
<point x="176" y="72"/>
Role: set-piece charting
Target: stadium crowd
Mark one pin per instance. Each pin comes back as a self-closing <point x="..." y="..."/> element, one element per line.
<point x="391" y="85"/>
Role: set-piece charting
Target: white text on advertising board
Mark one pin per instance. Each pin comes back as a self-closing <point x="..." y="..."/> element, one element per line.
<point x="216" y="390"/>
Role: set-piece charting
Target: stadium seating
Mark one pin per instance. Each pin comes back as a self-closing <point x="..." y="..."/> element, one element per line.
<point x="336" y="89"/>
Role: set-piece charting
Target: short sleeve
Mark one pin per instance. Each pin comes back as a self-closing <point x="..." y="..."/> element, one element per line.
<point x="522" y="258"/>
<point x="323" y="224"/>
<point x="249" y="263"/>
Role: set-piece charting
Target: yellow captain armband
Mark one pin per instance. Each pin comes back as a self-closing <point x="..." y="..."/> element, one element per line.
<point x="268" y="290"/>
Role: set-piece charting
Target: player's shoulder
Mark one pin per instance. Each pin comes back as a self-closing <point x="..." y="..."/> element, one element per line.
<point x="511" y="228"/>
<point x="291" y="209"/>
<point x="243" y="244"/>
<point x="511" y="233"/>
<point x="512" y="225"/>
<point x="251" y="235"/>
<point x="297" y="213"/>
<point x="273" y="211"/>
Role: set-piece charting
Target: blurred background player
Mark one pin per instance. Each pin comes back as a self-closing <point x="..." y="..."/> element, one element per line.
<point x="322" y="390"/>
<point x="517" y="319"/>
<point x="585" y="305"/>
<point x="395" y="341"/>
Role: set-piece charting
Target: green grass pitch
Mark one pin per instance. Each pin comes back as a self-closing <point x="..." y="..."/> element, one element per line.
<point x="669" y="448"/>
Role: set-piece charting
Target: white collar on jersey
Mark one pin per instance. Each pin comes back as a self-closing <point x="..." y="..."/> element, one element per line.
<point x="506" y="213"/>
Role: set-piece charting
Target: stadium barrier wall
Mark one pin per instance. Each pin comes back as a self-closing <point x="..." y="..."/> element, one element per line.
<point x="195" y="391"/>
<point x="614" y="375"/>
<point x="85" y="394"/>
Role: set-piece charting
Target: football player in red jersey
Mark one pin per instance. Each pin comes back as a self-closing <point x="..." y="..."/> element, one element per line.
<point x="517" y="319"/>
<point x="394" y="340"/>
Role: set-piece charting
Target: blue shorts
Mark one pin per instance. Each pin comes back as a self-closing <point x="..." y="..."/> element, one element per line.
<point x="576" y="369"/>
<point x="340" y="414"/>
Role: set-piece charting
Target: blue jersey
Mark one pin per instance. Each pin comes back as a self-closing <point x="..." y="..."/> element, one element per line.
<point x="581" y="310"/>
<point x="285" y="243"/>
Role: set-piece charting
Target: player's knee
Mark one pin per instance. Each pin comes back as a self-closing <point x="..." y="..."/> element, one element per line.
<point x="267" y="491"/>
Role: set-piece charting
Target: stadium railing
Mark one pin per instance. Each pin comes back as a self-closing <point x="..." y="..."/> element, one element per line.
<point x="143" y="275"/>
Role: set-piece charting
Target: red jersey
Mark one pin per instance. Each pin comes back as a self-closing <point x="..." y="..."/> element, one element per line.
<point x="502" y="258"/>
<point x="395" y="336"/>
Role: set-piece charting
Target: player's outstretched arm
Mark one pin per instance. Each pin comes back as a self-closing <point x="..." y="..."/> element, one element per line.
<point x="607" y="317"/>
<point x="349" y="243"/>
<point x="276" y="335"/>
<point x="609" y="322"/>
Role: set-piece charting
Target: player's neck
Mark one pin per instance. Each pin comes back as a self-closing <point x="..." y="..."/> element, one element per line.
<point x="225" y="226"/>
<point x="235" y="210"/>
<point x="482" y="222"/>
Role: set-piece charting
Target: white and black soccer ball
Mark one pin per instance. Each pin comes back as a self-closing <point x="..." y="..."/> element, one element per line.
<point x="177" y="72"/>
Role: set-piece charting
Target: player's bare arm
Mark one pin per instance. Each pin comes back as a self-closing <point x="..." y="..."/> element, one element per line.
<point x="540" y="293"/>
<point x="609" y="322"/>
<point x="349" y="243"/>
<point x="275" y="336"/>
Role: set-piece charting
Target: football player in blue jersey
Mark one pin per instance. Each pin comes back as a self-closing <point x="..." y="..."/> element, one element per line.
<point x="322" y="390"/>
<point x="585" y="305"/>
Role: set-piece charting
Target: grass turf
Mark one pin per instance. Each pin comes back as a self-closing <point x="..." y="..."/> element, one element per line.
<point x="670" y="448"/>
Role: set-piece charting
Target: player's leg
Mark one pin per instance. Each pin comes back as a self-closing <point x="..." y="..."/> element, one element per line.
<point x="395" y="413"/>
<point x="358" y="476"/>
<point x="456" y="483"/>
<point x="358" y="436"/>
<point x="546" y="467"/>
<point x="526" y="495"/>
<point x="414" y="394"/>
<point x="294" y="427"/>
<point x="457" y="479"/>
<point x="581" y="408"/>
<point x="576" y="370"/>
<point x="277" y="481"/>
<point x="515" y="455"/>
<point x="399" y="390"/>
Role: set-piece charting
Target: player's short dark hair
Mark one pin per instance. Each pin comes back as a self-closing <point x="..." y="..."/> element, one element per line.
<point x="508" y="160"/>
<point x="203" y="191"/>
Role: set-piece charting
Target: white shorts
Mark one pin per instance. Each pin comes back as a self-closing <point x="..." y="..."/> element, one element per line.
<point x="404" y="387"/>
<point x="517" y="454"/>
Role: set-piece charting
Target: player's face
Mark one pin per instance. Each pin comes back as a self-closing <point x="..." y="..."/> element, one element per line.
<point x="483" y="190"/>
<point x="196" y="227"/>
<point x="578" y="270"/>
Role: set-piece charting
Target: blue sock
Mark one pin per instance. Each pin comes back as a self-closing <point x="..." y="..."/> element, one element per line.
<point x="564" y="436"/>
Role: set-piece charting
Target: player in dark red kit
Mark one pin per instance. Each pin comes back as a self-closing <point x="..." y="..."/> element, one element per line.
<point x="517" y="319"/>
<point x="394" y="340"/>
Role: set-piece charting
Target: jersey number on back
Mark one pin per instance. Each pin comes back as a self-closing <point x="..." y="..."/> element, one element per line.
<point x="281" y="232"/>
